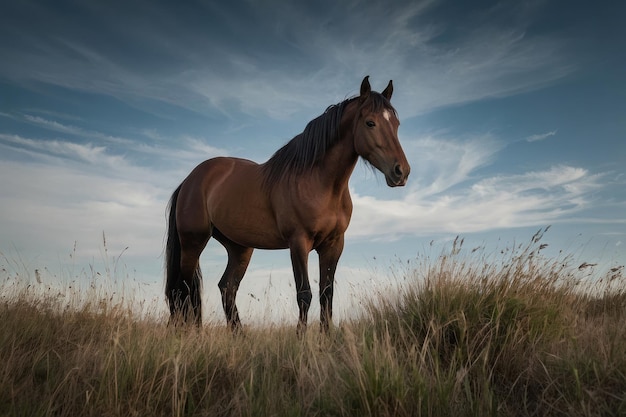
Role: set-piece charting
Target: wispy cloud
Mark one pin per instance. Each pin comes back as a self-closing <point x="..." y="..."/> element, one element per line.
<point x="55" y="114"/>
<point x="489" y="62"/>
<point x="441" y="163"/>
<point x="73" y="130"/>
<point x="87" y="152"/>
<point x="505" y="201"/>
<point x="540" y="136"/>
<point x="193" y="71"/>
<point x="94" y="147"/>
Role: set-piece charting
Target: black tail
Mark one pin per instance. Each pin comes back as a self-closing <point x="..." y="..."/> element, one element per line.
<point x="184" y="299"/>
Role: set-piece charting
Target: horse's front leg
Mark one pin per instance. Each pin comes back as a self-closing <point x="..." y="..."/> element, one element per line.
<point x="300" y="249"/>
<point x="329" y="254"/>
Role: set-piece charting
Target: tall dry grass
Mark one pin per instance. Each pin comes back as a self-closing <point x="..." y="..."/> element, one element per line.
<point x="511" y="334"/>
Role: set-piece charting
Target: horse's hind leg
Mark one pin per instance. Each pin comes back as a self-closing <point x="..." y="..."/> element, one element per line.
<point x="190" y="298"/>
<point x="238" y="260"/>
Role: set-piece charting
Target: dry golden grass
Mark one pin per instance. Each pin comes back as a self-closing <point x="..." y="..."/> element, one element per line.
<point x="473" y="334"/>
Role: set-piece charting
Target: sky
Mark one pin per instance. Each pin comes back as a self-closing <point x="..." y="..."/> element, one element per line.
<point x="512" y="118"/>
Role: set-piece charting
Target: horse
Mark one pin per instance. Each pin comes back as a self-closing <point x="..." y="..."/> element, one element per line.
<point x="298" y="200"/>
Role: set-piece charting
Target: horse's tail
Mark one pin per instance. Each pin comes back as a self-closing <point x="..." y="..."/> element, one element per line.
<point x="180" y="296"/>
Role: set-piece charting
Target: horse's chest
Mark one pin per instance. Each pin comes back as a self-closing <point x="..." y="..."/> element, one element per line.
<point x="331" y="219"/>
<point x="317" y="214"/>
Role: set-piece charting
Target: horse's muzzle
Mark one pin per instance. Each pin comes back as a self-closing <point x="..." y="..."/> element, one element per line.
<point x="398" y="175"/>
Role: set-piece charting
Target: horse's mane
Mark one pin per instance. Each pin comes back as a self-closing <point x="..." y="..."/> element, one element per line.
<point x="305" y="150"/>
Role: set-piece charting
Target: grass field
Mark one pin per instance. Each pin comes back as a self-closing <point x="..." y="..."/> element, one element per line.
<point x="507" y="334"/>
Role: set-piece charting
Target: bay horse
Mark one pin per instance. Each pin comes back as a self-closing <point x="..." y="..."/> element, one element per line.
<point x="297" y="200"/>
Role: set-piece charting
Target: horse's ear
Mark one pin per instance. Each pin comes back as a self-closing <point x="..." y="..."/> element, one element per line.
<point x="388" y="91"/>
<point x="366" y="89"/>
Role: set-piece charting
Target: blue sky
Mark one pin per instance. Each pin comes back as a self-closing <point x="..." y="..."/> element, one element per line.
<point x="512" y="119"/>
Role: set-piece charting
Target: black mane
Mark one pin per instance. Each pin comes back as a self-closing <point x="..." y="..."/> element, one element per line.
<point x="305" y="150"/>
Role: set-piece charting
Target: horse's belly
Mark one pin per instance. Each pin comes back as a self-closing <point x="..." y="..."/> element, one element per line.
<point x="247" y="219"/>
<point x="260" y="235"/>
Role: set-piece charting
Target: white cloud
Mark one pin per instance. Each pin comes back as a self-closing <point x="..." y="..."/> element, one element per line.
<point x="55" y="150"/>
<point x="53" y="125"/>
<point x="438" y="163"/>
<point x="74" y="130"/>
<point x="185" y="148"/>
<point x="505" y="201"/>
<point x="540" y="136"/>
<point x="47" y="208"/>
<point x="67" y="192"/>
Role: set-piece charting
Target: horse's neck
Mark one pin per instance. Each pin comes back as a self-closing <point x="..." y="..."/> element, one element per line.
<point x="336" y="167"/>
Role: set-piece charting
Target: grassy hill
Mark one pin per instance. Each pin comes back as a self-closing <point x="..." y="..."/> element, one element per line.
<point x="508" y="335"/>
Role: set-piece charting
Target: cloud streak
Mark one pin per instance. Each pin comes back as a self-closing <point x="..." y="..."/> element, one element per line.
<point x="86" y="153"/>
<point x="187" y="149"/>
<point x="244" y="75"/>
<point x="497" y="202"/>
<point x="443" y="163"/>
<point x="540" y="136"/>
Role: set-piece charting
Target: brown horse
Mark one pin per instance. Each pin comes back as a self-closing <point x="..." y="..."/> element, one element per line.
<point x="298" y="199"/>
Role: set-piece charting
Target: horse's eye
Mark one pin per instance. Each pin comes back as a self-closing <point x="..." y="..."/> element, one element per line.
<point x="370" y="123"/>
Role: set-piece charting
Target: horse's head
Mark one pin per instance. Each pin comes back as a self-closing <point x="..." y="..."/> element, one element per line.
<point x="376" y="134"/>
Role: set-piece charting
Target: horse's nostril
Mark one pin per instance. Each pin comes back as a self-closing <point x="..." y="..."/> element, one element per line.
<point x="398" y="170"/>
